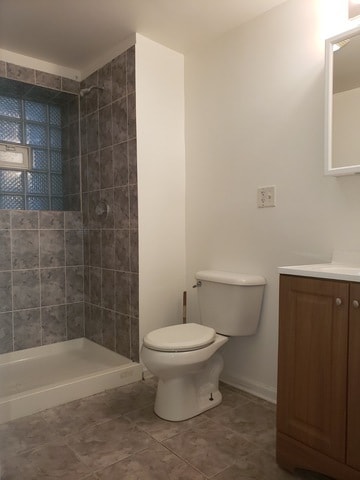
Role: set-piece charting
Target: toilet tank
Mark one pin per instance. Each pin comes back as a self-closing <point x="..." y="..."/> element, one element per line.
<point x="230" y="302"/>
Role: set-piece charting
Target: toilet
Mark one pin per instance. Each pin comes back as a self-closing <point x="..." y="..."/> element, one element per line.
<point x="185" y="357"/>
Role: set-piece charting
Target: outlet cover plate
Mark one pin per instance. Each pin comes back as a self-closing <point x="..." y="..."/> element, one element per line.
<point x="266" y="196"/>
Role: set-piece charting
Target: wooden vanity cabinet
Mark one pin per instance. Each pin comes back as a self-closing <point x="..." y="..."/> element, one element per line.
<point x="318" y="405"/>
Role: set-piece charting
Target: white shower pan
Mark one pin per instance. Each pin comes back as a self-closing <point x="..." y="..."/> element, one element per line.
<point x="37" y="378"/>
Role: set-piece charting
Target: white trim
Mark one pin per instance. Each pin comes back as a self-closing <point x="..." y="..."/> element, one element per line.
<point x="266" y="392"/>
<point x="37" y="64"/>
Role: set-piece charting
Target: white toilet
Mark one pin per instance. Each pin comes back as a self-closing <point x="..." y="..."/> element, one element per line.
<point x="184" y="357"/>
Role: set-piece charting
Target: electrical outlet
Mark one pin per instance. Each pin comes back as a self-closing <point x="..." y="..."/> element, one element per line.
<point x="266" y="196"/>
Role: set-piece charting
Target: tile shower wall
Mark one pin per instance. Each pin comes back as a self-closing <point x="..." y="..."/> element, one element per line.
<point x="41" y="259"/>
<point x="41" y="278"/>
<point x="109" y="173"/>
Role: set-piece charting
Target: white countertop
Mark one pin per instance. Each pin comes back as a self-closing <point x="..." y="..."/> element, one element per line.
<point x="336" y="271"/>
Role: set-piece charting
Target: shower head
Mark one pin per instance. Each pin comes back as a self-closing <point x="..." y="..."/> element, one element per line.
<point x="86" y="91"/>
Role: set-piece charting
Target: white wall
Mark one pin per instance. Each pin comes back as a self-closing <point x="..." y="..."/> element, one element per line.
<point x="161" y="183"/>
<point x="254" y="104"/>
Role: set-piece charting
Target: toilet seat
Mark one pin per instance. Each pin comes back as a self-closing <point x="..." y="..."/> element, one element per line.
<point x="180" y="338"/>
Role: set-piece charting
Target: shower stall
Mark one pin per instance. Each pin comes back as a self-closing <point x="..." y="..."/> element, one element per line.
<point x="69" y="321"/>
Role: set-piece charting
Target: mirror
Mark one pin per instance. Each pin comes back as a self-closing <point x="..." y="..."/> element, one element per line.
<point x="342" y="147"/>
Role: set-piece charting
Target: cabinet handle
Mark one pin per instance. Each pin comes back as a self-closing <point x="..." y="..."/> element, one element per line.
<point x="338" y="302"/>
<point x="356" y="304"/>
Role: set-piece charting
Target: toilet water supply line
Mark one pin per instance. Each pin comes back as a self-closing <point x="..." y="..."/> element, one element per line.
<point x="184" y="307"/>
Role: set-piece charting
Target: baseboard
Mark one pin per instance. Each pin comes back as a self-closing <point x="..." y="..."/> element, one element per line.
<point x="258" y="389"/>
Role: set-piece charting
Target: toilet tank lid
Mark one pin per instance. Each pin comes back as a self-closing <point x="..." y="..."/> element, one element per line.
<point x="230" y="278"/>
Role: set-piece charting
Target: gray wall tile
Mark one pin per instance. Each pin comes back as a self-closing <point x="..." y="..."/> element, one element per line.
<point x="52" y="286"/>
<point x="24" y="219"/>
<point x="120" y="120"/>
<point x="107" y="170"/>
<point x="105" y="81"/>
<point x="118" y="68"/>
<point x="122" y="293"/>
<point x="122" y="250"/>
<point x="108" y="329"/>
<point x="5" y="250"/>
<point x="123" y="339"/>
<point x="134" y="339"/>
<point x="130" y="70"/>
<point x="108" y="289"/>
<point x="134" y="251"/>
<point x="53" y="324"/>
<point x="23" y="74"/>
<point x="26" y="289"/>
<point x="71" y="86"/>
<point x="108" y="249"/>
<point x="52" y="248"/>
<point x="25" y="249"/>
<point x="105" y="124"/>
<point x="74" y="285"/>
<point x="5" y="292"/>
<point x="93" y="325"/>
<point x="121" y="168"/>
<point x="2" y="68"/>
<point x="4" y="219"/>
<point x="121" y="207"/>
<point x="75" y="323"/>
<point x="95" y="285"/>
<point x="27" y="332"/>
<point x="73" y="220"/>
<point x="51" y="220"/>
<point x="92" y="132"/>
<point x="132" y="161"/>
<point x="131" y="116"/>
<point x="48" y="80"/>
<point x="6" y="332"/>
<point x="74" y="254"/>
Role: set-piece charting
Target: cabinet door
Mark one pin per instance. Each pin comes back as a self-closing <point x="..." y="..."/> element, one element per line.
<point x="312" y="375"/>
<point x="353" y="448"/>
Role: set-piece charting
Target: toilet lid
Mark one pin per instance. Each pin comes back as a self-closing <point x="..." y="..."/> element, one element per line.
<point x="180" y="338"/>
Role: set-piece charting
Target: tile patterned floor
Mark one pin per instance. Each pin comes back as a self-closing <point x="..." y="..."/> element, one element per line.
<point x="115" y="435"/>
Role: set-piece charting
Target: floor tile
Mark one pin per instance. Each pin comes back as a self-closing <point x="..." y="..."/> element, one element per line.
<point x="158" y="428"/>
<point x="151" y="464"/>
<point x="126" y="399"/>
<point x="46" y="463"/>
<point x="24" y="434"/>
<point x="210" y="447"/>
<point x="109" y="442"/>
<point x="75" y="416"/>
<point x="253" y="421"/>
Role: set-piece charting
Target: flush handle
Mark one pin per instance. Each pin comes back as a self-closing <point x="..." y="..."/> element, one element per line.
<point x="197" y="284"/>
<point x="338" y="301"/>
<point x="356" y="304"/>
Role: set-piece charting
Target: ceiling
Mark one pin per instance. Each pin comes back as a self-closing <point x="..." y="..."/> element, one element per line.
<point x="73" y="33"/>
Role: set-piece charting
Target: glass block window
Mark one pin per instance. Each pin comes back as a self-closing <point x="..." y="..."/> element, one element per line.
<point x="38" y="183"/>
<point x="36" y="112"/>
<point x="36" y="125"/>
<point x="10" y="107"/>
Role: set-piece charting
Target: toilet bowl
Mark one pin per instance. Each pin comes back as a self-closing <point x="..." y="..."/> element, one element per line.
<point x="188" y="383"/>
<point x="185" y="357"/>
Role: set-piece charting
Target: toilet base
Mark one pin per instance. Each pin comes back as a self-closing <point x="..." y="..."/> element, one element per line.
<point x="185" y="397"/>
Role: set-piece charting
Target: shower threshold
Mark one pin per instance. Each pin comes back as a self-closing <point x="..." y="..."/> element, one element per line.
<point x="38" y="378"/>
